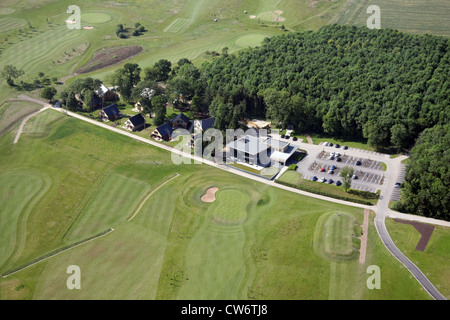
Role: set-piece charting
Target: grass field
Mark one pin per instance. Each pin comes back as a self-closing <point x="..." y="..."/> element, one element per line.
<point x="254" y="242"/>
<point x="414" y="16"/>
<point x="67" y="180"/>
<point x="436" y="253"/>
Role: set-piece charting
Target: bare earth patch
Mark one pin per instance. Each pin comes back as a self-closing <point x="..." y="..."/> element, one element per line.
<point x="209" y="196"/>
<point x="109" y="56"/>
<point x="424" y="229"/>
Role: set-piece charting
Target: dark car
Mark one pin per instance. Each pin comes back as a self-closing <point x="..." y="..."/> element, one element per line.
<point x="358" y="163"/>
<point x="338" y="183"/>
<point x="345" y="147"/>
<point x="330" y="181"/>
<point x="337" y="145"/>
<point x="338" y="159"/>
<point x="330" y="144"/>
<point x="282" y="136"/>
<point x="295" y="138"/>
<point x="314" y="178"/>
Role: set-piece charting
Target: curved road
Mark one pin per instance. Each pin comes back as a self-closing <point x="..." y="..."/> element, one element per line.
<point x="382" y="208"/>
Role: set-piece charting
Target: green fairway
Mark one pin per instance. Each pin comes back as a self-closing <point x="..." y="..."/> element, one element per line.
<point x="250" y="40"/>
<point x="414" y="16"/>
<point x="116" y="197"/>
<point x="10" y="23"/>
<point x="17" y="190"/>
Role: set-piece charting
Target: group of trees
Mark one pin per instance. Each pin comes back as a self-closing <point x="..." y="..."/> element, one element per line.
<point x="80" y="92"/>
<point x="180" y="87"/>
<point x="124" y="33"/>
<point x="383" y="86"/>
<point x="427" y="185"/>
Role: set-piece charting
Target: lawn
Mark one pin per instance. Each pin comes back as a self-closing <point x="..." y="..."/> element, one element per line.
<point x="254" y="242"/>
<point x="436" y="254"/>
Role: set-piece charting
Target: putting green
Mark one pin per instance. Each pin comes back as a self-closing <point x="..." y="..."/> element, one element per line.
<point x="250" y="40"/>
<point x="230" y="206"/>
<point x="337" y="237"/>
<point x="270" y="17"/>
<point x="95" y="17"/>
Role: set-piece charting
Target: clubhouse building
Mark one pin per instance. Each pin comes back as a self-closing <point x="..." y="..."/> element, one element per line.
<point x="260" y="151"/>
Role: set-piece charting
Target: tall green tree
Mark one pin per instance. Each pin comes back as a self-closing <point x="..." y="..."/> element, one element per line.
<point x="346" y="175"/>
<point x="10" y="73"/>
<point x="159" y="106"/>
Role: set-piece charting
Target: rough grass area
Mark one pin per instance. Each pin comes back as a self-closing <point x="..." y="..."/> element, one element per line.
<point x="12" y="113"/>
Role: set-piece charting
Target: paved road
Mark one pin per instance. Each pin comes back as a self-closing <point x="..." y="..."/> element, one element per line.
<point x="381" y="209"/>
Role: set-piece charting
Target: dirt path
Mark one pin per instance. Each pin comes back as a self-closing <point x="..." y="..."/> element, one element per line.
<point x="365" y="231"/>
<point x="24" y="121"/>
<point x="308" y="137"/>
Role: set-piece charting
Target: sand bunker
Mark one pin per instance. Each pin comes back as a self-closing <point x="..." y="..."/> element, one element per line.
<point x="252" y="17"/>
<point x="278" y="11"/>
<point x="209" y="196"/>
<point x="88" y="28"/>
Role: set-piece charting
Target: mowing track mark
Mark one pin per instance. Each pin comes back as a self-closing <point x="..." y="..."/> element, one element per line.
<point x="148" y="196"/>
<point x="56" y="252"/>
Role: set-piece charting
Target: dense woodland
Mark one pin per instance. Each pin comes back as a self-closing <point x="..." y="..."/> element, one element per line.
<point x="427" y="186"/>
<point x="382" y="85"/>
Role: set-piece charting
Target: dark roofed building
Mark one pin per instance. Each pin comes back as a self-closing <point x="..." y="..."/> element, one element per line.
<point x="203" y="125"/>
<point x="180" y="121"/>
<point x="111" y="113"/>
<point x="163" y="132"/>
<point x="136" y="122"/>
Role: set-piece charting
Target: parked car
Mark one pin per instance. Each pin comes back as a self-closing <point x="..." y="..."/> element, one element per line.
<point x="338" y="159"/>
<point x="330" y="181"/>
<point x="323" y="179"/>
<point x="314" y="178"/>
<point x="325" y="144"/>
<point x="358" y="163"/>
<point x="338" y="183"/>
<point x="333" y="167"/>
<point x="345" y="147"/>
<point x="398" y="185"/>
<point x="331" y="157"/>
<point x="330" y="144"/>
<point x="294" y="138"/>
<point x="322" y="170"/>
<point x="282" y="136"/>
<point x="354" y="176"/>
<point x="330" y="171"/>
<point x="337" y="145"/>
